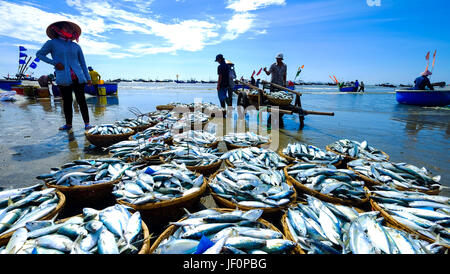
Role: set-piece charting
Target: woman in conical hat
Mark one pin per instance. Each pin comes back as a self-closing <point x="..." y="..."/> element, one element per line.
<point x="70" y="67"/>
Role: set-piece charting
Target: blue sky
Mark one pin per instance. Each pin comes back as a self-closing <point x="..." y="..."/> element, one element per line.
<point x="370" y="40"/>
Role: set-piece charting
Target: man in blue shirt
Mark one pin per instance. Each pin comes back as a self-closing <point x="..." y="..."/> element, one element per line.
<point x="422" y="82"/>
<point x="223" y="82"/>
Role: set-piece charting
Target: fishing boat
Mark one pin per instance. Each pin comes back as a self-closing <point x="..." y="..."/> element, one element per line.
<point x="348" y="89"/>
<point x="111" y="89"/>
<point x="429" y="98"/>
<point x="7" y="84"/>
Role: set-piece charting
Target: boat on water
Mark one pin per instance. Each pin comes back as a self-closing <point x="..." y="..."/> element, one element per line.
<point x="110" y="88"/>
<point x="348" y="89"/>
<point x="8" y="84"/>
<point x="429" y="98"/>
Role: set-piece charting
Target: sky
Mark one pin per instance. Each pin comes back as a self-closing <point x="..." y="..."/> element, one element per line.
<point x="375" y="41"/>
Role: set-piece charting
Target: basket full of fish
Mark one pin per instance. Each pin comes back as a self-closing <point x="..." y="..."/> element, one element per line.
<point x="113" y="230"/>
<point x="341" y="186"/>
<point x="222" y="231"/>
<point x="247" y="139"/>
<point x="21" y="205"/>
<point x="156" y="187"/>
<point x="160" y="131"/>
<point x="198" y="159"/>
<point x="353" y="150"/>
<point x="259" y="157"/>
<point x="425" y="215"/>
<point x="137" y="150"/>
<point x="200" y="138"/>
<point x="248" y="187"/>
<point x="108" y="134"/>
<point x="324" y="228"/>
<point x="137" y="124"/>
<point x="401" y="176"/>
<point x="279" y="98"/>
<point x="310" y="154"/>
<point x="86" y="181"/>
<point x="192" y="120"/>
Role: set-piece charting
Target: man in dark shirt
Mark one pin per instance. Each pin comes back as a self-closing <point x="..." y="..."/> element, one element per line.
<point x="223" y="82"/>
<point x="422" y="82"/>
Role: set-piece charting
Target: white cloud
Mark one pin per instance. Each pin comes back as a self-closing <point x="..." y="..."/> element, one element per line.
<point x="239" y="24"/>
<point x="251" y="5"/>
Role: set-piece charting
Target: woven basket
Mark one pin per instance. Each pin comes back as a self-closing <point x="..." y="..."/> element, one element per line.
<point x="292" y="160"/>
<point x="206" y="170"/>
<point x="4" y="239"/>
<point x="107" y="140"/>
<point x="143" y="127"/>
<point x="349" y="158"/>
<point x="326" y="198"/>
<point x="393" y="223"/>
<point x="172" y="228"/>
<point x="165" y="107"/>
<point x="213" y="145"/>
<point x="278" y="101"/>
<point x="266" y="211"/>
<point x="231" y="146"/>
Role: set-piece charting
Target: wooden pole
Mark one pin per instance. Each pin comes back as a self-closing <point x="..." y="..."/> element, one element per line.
<point x="310" y="112"/>
<point x="281" y="87"/>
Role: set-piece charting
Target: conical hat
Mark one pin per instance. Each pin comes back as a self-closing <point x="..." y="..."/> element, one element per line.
<point x="52" y="34"/>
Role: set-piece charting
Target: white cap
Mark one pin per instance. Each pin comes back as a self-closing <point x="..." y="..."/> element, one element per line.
<point x="279" y="55"/>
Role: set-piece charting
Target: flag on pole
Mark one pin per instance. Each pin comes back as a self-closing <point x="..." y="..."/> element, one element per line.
<point x="22" y="55"/>
<point x="22" y="48"/>
<point x="427" y="57"/>
<point x="36" y="59"/>
<point x="253" y="73"/>
<point x="434" y="60"/>
<point x="33" y="65"/>
<point x="337" y="82"/>
<point x="259" y="71"/>
<point x="298" y="72"/>
<point x="22" y="62"/>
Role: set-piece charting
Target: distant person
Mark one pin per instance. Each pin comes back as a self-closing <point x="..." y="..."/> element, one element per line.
<point x="71" y="71"/>
<point x="278" y="70"/>
<point x="356" y="85"/>
<point x="232" y="77"/>
<point x="423" y="82"/>
<point x="95" y="77"/>
<point x="252" y="81"/>
<point x="223" y="81"/>
<point x="361" y="87"/>
<point x="45" y="80"/>
<point x="257" y="82"/>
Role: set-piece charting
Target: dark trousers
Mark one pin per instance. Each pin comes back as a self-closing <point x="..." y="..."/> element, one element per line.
<point x="66" y="94"/>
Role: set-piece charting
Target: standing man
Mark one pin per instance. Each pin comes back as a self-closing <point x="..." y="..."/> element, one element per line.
<point x="95" y="78"/>
<point x="232" y="76"/>
<point x="361" y="87"/>
<point x="278" y="70"/>
<point x="223" y="82"/>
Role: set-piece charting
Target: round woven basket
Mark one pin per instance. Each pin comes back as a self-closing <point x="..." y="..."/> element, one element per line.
<point x="231" y="146"/>
<point x="278" y="101"/>
<point x="292" y="160"/>
<point x="143" y="127"/>
<point x="207" y="169"/>
<point x="172" y="228"/>
<point x="371" y="183"/>
<point x="266" y="211"/>
<point x="4" y="239"/>
<point x="393" y="223"/>
<point x="348" y="158"/>
<point x="165" y="107"/>
<point x="213" y="145"/>
<point x="326" y="198"/>
<point x="107" y="140"/>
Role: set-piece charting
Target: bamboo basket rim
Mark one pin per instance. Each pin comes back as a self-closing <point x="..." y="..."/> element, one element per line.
<point x="171" y="229"/>
<point x="347" y="157"/>
<point x="101" y="140"/>
<point x="212" y="145"/>
<point x="292" y="159"/>
<point x="163" y="204"/>
<point x="323" y="197"/>
<point x="165" y="107"/>
<point x="395" y="224"/>
<point x="68" y="189"/>
<point x="229" y="204"/>
<point x="61" y="203"/>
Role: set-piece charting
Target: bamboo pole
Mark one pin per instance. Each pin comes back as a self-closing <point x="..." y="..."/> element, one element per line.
<point x="281" y="87"/>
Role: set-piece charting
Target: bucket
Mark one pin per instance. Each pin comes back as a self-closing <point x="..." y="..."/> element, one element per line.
<point x="102" y="91"/>
<point x="43" y="93"/>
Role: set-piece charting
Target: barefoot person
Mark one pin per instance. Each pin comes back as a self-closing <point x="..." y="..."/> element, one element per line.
<point x="70" y="67"/>
<point x="278" y="70"/>
<point x="223" y="80"/>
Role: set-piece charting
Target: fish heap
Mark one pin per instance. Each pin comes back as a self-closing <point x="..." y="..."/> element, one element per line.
<point x="191" y="118"/>
<point x="212" y="232"/>
<point x="195" y="138"/>
<point x="338" y="183"/>
<point x="86" y="172"/>
<point x="253" y="187"/>
<point x="245" y="139"/>
<point x="259" y="157"/>
<point x="208" y="107"/>
<point x="191" y="155"/>
<point x="21" y="205"/>
<point x="397" y="175"/>
<point x="159" y="115"/>
<point x="157" y="184"/>
<point x="311" y="154"/>
<point x="113" y="230"/>
<point x="137" y="150"/>
<point x="357" y="150"/>
<point x="282" y="95"/>
<point x="160" y="131"/>
<point x="109" y="129"/>
<point x="135" y="122"/>
<point x="427" y="214"/>
<point x="324" y="228"/>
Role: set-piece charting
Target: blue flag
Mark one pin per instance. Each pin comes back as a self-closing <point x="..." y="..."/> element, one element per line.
<point x="23" y="55"/>
<point x="22" y="48"/>
<point x="37" y="59"/>
<point x="21" y="61"/>
<point x="33" y="65"/>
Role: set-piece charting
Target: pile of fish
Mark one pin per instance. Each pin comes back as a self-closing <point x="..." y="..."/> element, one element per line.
<point x="253" y="187"/>
<point x="157" y="183"/>
<point x="259" y="157"/>
<point x="113" y="230"/>
<point x="135" y="122"/>
<point x="86" y="172"/>
<point x="281" y="95"/>
<point x="357" y="150"/>
<point x="212" y="232"/>
<point x="136" y="150"/>
<point x="194" y="117"/>
<point x="339" y="183"/>
<point x="191" y="155"/>
<point x="245" y="139"/>
<point x="311" y="154"/>
<point x="427" y="214"/>
<point x="160" y="131"/>
<point x="195" y="138"/>
<point x="397" y="175"/>
<point x="324" y="228"/>
<point x="109" y="129"/>
<point x="159" y="115"/>
<point x="21" y="205"/>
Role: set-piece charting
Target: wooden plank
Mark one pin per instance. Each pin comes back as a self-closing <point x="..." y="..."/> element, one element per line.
<point x="281" y="87"/>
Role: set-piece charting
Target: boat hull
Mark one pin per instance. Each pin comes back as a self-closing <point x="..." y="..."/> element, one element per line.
<point x="348" y="89"/>
<point x="423" y="97"/>
<point x="7" y="84"/>
<point x="111" y="89"/>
